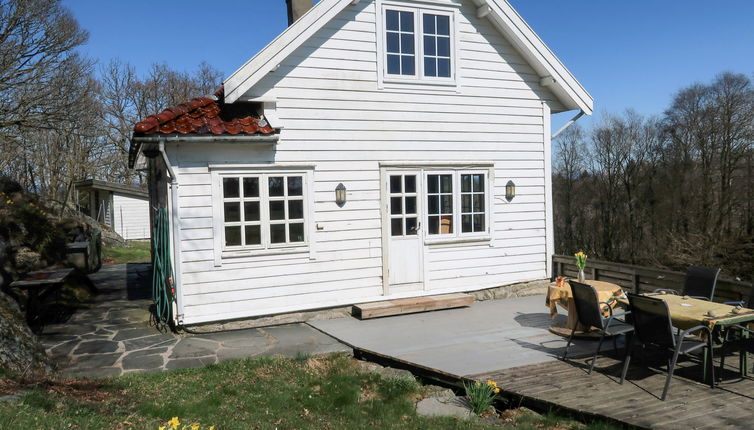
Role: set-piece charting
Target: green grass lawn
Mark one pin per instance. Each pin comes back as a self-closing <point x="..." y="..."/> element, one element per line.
<point x="321" y="392"/>
<point x="135" y="252"/>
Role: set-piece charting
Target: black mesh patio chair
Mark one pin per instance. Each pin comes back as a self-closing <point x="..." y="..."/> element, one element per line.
<point x="589" y="315"/>
<point x="653" y="329"/>
<point x="747" y="302"/>
<point x="700" y="283"/>
<point x="737" y="338"/>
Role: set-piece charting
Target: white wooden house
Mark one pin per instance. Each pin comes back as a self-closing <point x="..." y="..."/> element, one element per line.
<point x="123" y="208"/>
<point x="362" y="155"/>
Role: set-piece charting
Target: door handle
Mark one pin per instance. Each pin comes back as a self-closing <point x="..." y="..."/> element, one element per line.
<point x="418" y="227"/>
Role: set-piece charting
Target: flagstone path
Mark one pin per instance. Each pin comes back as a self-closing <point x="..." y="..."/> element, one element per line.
<point x="114" y="337"/>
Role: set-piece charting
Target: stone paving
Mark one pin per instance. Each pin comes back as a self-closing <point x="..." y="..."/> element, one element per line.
<point x="114" y="337"/>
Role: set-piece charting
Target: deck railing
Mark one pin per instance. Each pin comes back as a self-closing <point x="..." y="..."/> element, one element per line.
<point x="644" y="279"/>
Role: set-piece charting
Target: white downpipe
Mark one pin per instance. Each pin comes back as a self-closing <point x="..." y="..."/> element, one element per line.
<point x="175" y="233"/>
<point x="568" y="124"/>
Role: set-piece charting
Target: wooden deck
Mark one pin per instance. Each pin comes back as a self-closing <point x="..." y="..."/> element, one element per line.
<point x="690" y="404"/>
<point x="521" y="356"/>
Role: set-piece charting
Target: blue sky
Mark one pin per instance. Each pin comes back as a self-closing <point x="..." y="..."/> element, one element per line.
<point x="628" y="54"/>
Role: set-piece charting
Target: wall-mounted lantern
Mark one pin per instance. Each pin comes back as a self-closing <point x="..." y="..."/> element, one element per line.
<point x="510" y="191"/>
<point x="340" y="195"/>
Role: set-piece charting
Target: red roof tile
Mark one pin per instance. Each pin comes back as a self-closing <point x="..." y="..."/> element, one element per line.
<point x="205" y="115"/>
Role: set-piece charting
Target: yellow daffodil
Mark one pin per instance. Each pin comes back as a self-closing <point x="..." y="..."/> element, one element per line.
<point x="194" y="426"/>
<point x="10" y="202"/>
<point x="161" y="428"/>
<point x="174" y="423"/>
<point x="477" y="384"/>
<point x="492" y="383"/>
<point x="496" y="390"/>
<point x="212" y="428"/>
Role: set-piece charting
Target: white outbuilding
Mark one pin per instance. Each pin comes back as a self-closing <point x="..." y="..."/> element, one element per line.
<point x="376" y="149"/>
<point x="123" y="208"/>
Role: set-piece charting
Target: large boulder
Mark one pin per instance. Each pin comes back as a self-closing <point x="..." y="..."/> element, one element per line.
<point x="20" y="352"/>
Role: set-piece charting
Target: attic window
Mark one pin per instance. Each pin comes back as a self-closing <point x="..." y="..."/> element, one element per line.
<point x="418" y="44"/>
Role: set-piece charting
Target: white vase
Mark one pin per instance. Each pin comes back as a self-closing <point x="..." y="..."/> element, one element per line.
<point x="582" y="277"/>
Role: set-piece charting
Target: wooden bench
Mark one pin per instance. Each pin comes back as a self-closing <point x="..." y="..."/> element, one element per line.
<point x="39" y="285"/>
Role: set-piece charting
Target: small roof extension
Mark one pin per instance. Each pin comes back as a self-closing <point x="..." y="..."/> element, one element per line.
<point x="202" y="116"/>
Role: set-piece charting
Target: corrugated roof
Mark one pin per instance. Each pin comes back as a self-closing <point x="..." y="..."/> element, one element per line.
<point x="205" y="116"/>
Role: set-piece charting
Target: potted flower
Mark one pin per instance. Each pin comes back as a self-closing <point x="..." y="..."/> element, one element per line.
<point x="581" y="264"/>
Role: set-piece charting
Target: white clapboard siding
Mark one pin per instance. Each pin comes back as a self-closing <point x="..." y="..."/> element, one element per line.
<point x="131" y="217"/>
<point x="336" y="119"/>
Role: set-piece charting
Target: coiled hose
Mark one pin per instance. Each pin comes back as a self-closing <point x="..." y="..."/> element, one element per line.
<point x="162" y="273"/>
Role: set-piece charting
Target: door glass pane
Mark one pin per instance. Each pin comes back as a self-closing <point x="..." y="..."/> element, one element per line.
<point x="407" y="43"/>
<point x="251" y="187"/>
<point x="296" y="232"/>
<point x="430" y="67"/>
<point x="296" y="209"/>
<point x="295" y="186"/>
<point x="429" y="24"/>
<point x="251" y="211"/>
<point x="396" y="208"/>
<point x="443" y="68"/>
<point x="410" y="181"/>
<point x="395" y="184"/>
<point x="230" y="187"/>
<point x="411" y="224"/>
<point x="391" y="20"/>
<point x="393" y="41"/>
<point x="277" y="233"/>
<point x="276" y="186"/>
<point x="253" y="235"/>
<point x="277" y="210"/>
<point x="233" y="236"/>
<point x="479" y="222"/>
<point x="396" y="227"/>
<point x="232" y="212"/>
<point x="410" y="205"/>
<point x="394" y="64"/>
<point x="443" y="25"/>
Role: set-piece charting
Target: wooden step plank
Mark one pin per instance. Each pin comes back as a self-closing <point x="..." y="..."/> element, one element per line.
<point x="412" y="305"/>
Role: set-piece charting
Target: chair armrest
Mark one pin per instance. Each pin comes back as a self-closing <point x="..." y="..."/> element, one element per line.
<point x="683" y="333"/>
<point x="701" y="298"/>
<point x="665" y="290"/>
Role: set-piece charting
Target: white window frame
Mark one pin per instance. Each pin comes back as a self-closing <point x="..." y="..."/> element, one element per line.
<point x="221" y="251"/>
<point x="386" y="80"/>
<point x="456" y="183"/>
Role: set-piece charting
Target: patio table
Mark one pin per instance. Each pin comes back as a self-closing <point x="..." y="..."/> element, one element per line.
<point x="561" y="295"/>
<point x="687" y="312"/>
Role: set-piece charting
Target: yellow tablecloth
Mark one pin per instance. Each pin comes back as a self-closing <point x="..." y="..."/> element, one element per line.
<point x="562" y="296"/>
<point x="689" y="312"/>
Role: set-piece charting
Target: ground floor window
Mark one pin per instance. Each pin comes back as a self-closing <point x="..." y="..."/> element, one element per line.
<point x="263" y="210"/>
<point x="456" y="203"/>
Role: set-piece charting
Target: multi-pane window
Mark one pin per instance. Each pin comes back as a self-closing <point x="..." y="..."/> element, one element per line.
<point x="440" y="204"/>
<point x="400" y="44"/>
<point x="456" y="204"/>
<point x="263" y="210"/>
<point x="436" y="45"/>
<point x="404" y="219"/>
<point x="472" y="203"/>
<point x="418" y="43"/>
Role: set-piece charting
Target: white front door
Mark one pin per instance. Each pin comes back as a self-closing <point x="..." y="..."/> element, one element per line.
<point x="405" y="248"/>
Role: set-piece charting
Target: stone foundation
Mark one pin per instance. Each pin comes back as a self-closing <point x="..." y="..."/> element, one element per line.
<point x="522" y="289"/>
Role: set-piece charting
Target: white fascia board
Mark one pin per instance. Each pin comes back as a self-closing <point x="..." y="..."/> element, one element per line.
<point x="276" y="51"/>
<point x="565" y="86"/>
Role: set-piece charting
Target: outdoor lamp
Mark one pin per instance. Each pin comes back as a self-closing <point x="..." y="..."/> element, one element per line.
<point x="510" y="191"/>
<point x="340" y="195"/>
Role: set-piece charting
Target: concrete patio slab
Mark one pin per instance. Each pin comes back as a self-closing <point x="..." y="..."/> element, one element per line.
<point x="487" y="336"/>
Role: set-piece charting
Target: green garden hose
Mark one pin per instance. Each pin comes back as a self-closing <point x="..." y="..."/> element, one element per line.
<point x="162" y="272"/>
